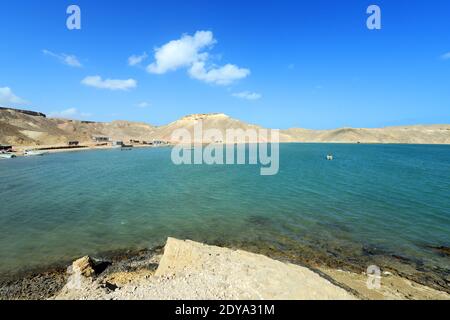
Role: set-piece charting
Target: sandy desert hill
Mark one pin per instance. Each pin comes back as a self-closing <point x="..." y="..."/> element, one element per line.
<point x="17" y="128"/>
<point x="30" y="128"/>
<point x="417" y="134"/>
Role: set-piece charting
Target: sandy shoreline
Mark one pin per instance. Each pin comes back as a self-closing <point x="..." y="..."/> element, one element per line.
<point x="221" y="272"/>
<point x="19" y="150"/>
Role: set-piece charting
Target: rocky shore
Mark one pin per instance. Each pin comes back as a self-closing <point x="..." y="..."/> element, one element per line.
<point x="191" y="270"/>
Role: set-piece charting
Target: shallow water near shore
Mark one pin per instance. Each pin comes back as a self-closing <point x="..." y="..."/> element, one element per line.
<point x="374" y="204"/>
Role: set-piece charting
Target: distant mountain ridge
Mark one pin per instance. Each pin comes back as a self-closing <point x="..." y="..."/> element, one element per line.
<point x="31" y="113"/>
<point x="29" y="128"/>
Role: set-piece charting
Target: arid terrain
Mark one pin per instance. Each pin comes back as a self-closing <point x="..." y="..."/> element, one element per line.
<point x="192" y="270"/>
<point x="22" y="129"/>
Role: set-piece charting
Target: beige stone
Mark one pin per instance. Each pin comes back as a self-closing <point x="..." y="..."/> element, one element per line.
<point x="250" y="275"/>
<point x="83" y="266"/>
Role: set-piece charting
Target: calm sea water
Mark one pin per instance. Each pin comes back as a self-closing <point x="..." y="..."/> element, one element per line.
<point x="392" y="199"/>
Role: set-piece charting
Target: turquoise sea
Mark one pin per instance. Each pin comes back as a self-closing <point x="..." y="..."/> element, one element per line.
<point x="374" y="204"/>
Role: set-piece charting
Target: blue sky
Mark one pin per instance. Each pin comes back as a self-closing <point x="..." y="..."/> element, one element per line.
<point x="280" y="64"/>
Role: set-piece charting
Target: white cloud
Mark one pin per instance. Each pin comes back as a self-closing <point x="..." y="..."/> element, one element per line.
<point x="182" y="52"/>
<point x="135" y="60"/>
<point x="190" y="52"/>
<point x="143" y="104"/>
<point x="110" y="84"/>
<point x="445" y="56"/>
<point x="66" y="59"/>
<point x="71" y="113"/>
<point x="222" y="76"/>
<point x="8" y="98"/>
<point x="247" y="95"/>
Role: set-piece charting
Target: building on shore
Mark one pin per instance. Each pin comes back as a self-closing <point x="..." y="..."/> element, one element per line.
<point x="73" y="143"/>
<point x="5" y="148"/>
<point x="100" y="139"/>
<point x="117" y="143"/>
<point x="159" y="142"/>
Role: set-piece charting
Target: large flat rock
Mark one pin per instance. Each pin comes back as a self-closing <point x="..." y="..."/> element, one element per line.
<point x="247" y="275"/>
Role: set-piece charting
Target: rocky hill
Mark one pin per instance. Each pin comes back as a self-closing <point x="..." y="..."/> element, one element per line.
<point x="217" y="121"/>
<point x="19" y="127"/>
<point x="419" y="134"/>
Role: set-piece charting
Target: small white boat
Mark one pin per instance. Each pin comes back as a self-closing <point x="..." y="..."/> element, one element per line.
<point x="30" y="153"/>
<point x="7" y="155"/>
<point x="329" y="157"/>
